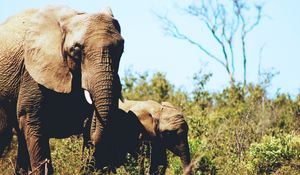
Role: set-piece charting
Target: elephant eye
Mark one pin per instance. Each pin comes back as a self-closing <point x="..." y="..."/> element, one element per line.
<point x="76" y="51"/>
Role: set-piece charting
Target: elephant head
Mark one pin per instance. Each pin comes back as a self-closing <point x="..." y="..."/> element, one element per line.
<point x="173" y="131"/>
<point x="68" y="51"/>
<point x="165" y="126"/>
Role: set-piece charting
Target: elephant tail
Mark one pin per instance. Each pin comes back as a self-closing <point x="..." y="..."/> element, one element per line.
<point x="5" y="140"/>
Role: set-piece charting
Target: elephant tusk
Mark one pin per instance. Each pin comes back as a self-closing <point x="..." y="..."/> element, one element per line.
<point x="87" y="96"/>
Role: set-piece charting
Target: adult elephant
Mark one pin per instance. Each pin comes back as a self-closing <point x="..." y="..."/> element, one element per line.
<point x="161" y="124"/>
<point x="50" y="58"/>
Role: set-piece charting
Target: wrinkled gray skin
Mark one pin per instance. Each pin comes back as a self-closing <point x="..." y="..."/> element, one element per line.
<point x="161" y="124"/>
<point x="48" y="57"/>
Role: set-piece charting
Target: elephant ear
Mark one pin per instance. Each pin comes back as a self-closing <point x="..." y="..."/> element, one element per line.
<point x="44" y="41"/>
<point x="171" y="118"/>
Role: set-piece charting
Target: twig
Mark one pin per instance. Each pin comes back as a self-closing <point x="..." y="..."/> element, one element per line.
<point x="12" y="164"/>
<point x="259" y="61"/>
<point x="172" y="30"/>
<point x="45" y="162"/>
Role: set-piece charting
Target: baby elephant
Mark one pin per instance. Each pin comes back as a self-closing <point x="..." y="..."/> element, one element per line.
<point x="165" y="127"/>
<point x="162" y="125"/>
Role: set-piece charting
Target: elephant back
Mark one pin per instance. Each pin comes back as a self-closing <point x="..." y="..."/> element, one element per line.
<point x="12" y="34"/>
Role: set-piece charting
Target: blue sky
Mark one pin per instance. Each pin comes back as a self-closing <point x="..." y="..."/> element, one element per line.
<point x="147" y="48"/>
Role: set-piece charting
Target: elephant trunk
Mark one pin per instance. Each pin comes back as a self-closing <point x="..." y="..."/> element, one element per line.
<point x="105" y="103"/>
<point x="185" y="157"/>
<point x="100" y="78"/>
<point x="183" y="151"/>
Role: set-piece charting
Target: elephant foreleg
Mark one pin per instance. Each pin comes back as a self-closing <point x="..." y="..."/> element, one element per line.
<point x="30" y="115"/>
<point x="38" y="149"/>
<point x="158" y="158"/>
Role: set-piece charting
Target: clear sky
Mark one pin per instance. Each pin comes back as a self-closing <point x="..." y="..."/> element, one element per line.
<point x="148" y="49"/>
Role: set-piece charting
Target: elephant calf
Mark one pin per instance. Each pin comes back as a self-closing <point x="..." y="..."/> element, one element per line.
<point x="161" y="124"/>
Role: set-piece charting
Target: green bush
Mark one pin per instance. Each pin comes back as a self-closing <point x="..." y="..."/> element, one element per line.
<point x="67" y="155"/>
<point x="273" y="153"/>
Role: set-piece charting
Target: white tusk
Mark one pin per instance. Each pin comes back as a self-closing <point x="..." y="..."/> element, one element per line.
<point x="87" y="96"/>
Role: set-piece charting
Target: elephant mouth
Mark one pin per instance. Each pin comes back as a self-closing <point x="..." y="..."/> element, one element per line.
<point x="88" y="97"/>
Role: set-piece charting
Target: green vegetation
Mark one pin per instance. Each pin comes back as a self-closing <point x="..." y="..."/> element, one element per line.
<point x="235" y="131"/>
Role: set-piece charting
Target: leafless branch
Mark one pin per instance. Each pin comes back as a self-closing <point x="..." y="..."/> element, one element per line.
<point x="246" y="28"/>
<point x="171" y="29"/>
<point x="258" y="18"/>
<point x="259" y="61"/>
<point x="225" y="24"/>
<point x="213" y="23"/>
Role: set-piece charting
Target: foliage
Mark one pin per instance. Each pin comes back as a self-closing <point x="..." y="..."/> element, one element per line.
<point x="159" y="89"/>
<point x="273" y="153"/>
<point x="61" y="151"/>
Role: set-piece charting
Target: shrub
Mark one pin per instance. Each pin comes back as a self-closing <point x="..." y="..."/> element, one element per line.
<point x="273" y="153"/>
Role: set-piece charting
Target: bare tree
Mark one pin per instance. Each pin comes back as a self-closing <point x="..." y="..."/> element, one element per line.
<point x="227" y="22"/>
